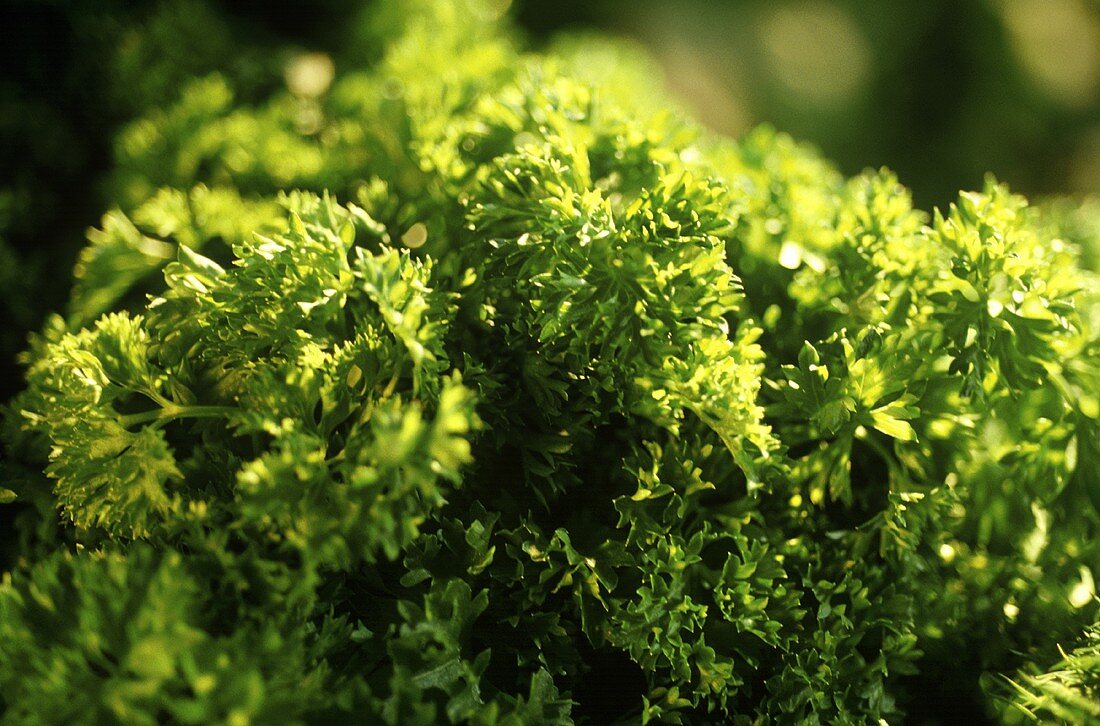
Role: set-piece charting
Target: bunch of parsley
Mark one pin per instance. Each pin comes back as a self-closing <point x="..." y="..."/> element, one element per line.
<point x="482" y="386"/>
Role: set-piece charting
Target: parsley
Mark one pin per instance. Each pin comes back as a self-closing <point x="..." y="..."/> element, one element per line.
<point x="444" y="392"/>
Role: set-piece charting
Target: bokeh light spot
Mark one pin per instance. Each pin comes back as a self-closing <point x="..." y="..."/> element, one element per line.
<point x="816" y="51"/>
<point x="309" y="75"/>
<point x="1057" y="42"/>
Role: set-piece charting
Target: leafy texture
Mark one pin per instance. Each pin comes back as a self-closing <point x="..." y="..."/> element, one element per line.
<point x="471" y="387"/>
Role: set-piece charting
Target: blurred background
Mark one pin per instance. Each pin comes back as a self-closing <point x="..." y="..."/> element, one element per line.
<point x="941" y="91"/>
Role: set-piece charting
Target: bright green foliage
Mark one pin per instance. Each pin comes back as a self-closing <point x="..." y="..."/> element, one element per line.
<point x="1069" y="691"/>
<point x="128" y="643"/>
<point x="566" y="411"/>
<point x="123" y="252"/>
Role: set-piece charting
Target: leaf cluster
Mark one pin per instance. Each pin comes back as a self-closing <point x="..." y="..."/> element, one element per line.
<point x="567" y="410"/>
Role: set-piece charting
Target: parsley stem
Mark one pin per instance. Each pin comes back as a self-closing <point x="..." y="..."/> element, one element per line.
<point x="172" y="411"/>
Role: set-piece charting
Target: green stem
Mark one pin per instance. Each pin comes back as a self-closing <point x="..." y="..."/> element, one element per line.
<point x="172" y="411"/>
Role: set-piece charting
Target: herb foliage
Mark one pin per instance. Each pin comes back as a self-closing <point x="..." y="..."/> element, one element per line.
<point x="473" y="382"/>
